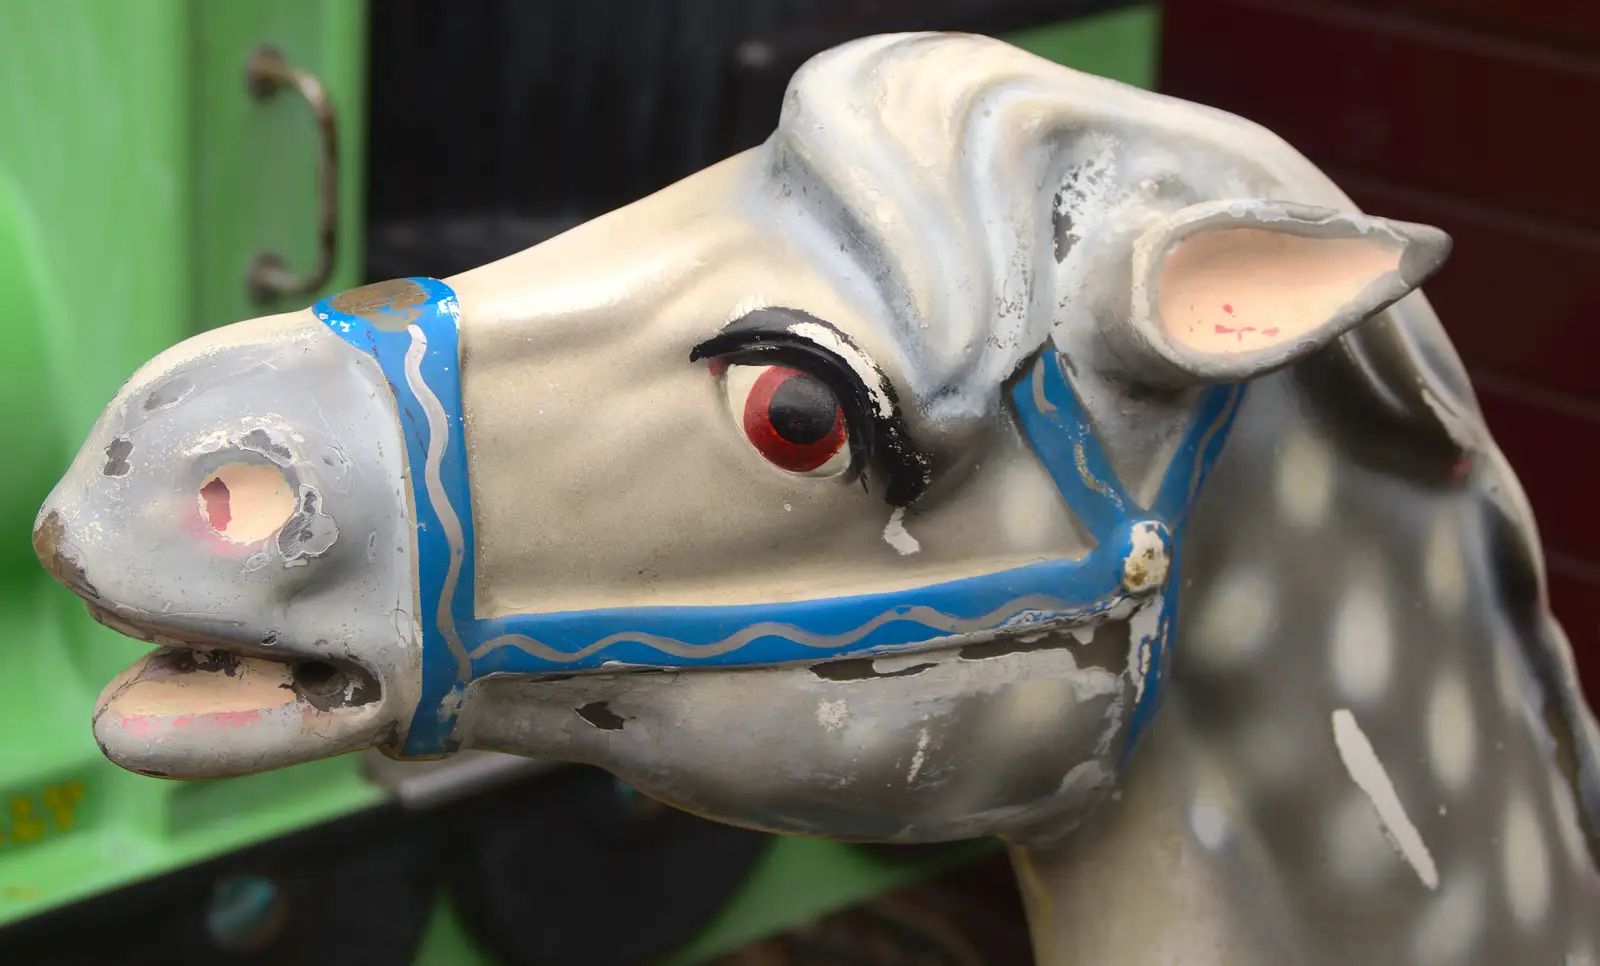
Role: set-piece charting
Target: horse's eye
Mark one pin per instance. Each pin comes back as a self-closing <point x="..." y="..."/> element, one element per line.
<point x="791" y="417"/>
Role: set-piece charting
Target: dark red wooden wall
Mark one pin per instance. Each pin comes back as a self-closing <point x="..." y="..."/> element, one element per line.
<point x="1481" y="117"/>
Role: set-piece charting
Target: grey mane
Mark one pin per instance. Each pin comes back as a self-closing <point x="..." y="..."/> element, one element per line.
<point x="1398" y="399"/>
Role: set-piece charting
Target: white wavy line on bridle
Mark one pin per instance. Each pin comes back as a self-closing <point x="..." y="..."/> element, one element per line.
<point x="1041" y="403"/>
<point x="438" y="439"/>
<point x="1228" y="409"/>
<point x="926" y="616"/>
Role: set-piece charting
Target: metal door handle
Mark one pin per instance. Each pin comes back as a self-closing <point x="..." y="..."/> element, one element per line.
<point x="269" y="277"/>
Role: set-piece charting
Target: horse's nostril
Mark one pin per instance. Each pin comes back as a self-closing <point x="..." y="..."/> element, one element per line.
<point x="318" y="678"/>
<point x="246" y="502"/>
<point x="48" y="536"/>
<point x="328" y="686"/>
<point x="214" y="496"/>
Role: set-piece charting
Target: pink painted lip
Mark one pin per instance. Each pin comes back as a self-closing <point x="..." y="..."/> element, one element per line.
<point x="192" y="713"/>
<point x="149" y="725"/>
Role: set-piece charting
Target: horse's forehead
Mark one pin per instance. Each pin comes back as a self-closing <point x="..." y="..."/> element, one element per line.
<point x="699" y="248"/>
<point x="643" y="284"/>
<point x="691" y="231"/>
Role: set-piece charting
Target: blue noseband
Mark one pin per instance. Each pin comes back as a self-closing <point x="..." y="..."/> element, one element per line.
<point x="410" y="328"/>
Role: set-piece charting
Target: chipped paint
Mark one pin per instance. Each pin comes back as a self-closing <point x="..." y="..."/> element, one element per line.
<point x="896" y="536"/>
<point x="1367" y="771"/>
<point x="262" y="443"/>
<point x="117" y="453"/>
<point x="831" y="714"/>
<point x="309" y="532"/>
<point x="1148" y="562"/>
<point x="1143" y="628"/>
<point x="919" y="756"/>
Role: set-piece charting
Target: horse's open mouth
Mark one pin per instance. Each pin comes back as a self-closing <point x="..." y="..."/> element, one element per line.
<point x="206" y="709"/>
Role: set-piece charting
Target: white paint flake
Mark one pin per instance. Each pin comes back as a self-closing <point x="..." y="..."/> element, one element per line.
<point x="1361" y="761"/>
<point x="895" y="535"/>
<point x="831" y="714"/>
<point x="919" y="756"/>
<point x="1143" y="627"/>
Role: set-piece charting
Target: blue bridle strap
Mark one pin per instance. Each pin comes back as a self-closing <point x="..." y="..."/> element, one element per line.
<point x="414" y="338"/>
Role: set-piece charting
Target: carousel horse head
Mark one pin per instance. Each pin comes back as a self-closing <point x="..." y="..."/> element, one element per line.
<point x="841" y="488"/>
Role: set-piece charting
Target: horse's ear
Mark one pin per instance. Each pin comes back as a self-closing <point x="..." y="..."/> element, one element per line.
<point x="1228" y="290"/>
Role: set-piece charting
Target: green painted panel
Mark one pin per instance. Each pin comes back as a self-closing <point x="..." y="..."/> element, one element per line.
<point x="1121" y="45"/>
<point x="257" y="188"/>
<point x="134" y="174"/>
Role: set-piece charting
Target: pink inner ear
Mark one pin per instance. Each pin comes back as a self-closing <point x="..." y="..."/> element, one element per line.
<point x="1240" y="290"/>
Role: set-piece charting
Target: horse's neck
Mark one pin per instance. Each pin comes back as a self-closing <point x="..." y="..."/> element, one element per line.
<point x="1140" y="882"/>
<point x="1191" y="865"/>
<point x="1355" y="762"/>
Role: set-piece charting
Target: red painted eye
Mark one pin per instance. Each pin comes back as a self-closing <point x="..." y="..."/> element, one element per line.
<point x="791" y="417"/>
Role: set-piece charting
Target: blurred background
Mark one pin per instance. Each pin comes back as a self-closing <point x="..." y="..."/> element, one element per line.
<point x="171" y="165"/>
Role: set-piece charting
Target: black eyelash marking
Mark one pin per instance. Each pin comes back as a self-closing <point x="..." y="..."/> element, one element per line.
<point x="765" y="337"/>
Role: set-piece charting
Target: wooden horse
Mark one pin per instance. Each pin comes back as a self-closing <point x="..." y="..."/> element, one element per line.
<point x="849" y="487"/>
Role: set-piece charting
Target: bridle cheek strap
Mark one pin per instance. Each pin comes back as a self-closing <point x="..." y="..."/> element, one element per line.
<point x="410" y="327"/>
